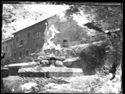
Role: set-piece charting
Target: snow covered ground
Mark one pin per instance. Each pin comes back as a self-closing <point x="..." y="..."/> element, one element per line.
<point x="72" y="84"/>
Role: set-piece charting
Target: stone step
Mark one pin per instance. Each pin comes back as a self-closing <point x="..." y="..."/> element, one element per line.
<point x="51" y="71"/>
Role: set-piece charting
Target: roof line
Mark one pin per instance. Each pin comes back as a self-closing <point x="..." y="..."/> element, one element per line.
<point x="7" y="39"/>
<point x="35" y="23"/>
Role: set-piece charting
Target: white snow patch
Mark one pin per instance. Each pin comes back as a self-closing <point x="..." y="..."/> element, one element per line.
<point x="110" y="87"/>
<point x="51" y="32"/>
<point x="62" y="17"/>
<point x="35" y="9"/>
<point x="80" y="18"/>
<point x="28" y="86"/>
<point x="91" y="32"/>
<point x="20" y="64"/>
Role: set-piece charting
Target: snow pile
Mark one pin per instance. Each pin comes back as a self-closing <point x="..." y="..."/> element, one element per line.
<point x="21" y="64"/>
<point x="12" y="84"/>
<point x="80" y="18"/>
<point x="112" y="86"/>
<point x="29" y="87"/>
<point x="84" y="83"/>
<point x="65" y="88"/>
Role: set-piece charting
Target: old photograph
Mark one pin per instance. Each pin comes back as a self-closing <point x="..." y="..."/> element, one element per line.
<point x="60" y="47"/>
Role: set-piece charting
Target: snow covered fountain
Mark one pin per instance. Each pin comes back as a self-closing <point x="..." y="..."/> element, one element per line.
<point x="53" y="59"/>
<point x="84" y="65"/>
<point x="58" y="56"/>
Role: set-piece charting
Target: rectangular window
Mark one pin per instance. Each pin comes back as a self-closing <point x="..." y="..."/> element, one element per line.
<point x="37" y="35"/>
<point x="6" y="48"/>
<point x="65" y="43"/>
<point x="10" y="54"/>
<point x="3" y="48"/>
<point x="16" y="38"/>
<point x="27" y="52"/>
<point x="28" y="35"/>
<point x="21" y="42"/>
<point x="11" y="46"/>
<point x="14" y="55"/>
<point x="20" y="54"/>
<point x="34" y="33"/>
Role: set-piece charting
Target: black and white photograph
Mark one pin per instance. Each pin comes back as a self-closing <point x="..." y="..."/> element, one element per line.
<point x="61" y="47"/>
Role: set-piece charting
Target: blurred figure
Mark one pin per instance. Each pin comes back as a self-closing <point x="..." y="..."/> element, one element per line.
<point x="3" y="55"/>
<point x="65" y="43"/>
<point x="113" y="70"/>
<point x="52" y="61"/>
<point x="4" y="73"/>
<point x="59" y="63"/>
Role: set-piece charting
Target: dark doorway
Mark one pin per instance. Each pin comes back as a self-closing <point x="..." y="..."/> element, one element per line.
<point x="65" y="43"/>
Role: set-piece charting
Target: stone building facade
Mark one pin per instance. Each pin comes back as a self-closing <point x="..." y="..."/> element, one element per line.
<point x="7" y="46"/>
<point x="28" y="40"/>
<point x="24" y="42"/>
